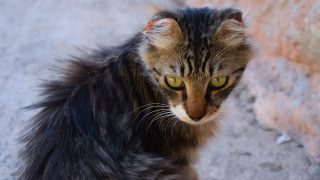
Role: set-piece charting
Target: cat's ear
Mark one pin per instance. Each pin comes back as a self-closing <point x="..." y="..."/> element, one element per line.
<point x="231" y="32"/>
<point x="236" y="15"/>
<point x="163" y="33"/>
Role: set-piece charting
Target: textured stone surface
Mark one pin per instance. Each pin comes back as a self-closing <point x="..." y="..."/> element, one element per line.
<point x="33" y="33"/>
<point x="285" y="74"/>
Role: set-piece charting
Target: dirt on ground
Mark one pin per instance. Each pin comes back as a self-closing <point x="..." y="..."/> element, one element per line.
<point x="34" y="33"/>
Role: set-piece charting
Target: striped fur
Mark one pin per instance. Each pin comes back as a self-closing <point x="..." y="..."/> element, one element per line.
<point x="212" y="43"/>
<point x="109" y="116"/>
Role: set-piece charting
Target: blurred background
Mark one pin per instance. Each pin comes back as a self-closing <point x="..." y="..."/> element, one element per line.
<point x="273" y="128"/>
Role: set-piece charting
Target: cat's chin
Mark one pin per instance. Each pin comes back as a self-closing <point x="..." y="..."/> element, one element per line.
<point x="183" y="116"/>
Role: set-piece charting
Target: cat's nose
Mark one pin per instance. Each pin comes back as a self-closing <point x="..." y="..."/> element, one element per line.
<point x="196" y="116"/>
<point x="196" y="110"/>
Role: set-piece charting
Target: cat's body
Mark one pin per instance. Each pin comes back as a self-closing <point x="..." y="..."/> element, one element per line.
<point x="108" y="117"/>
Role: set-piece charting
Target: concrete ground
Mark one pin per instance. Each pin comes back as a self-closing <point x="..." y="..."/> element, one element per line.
<point x="34" y="33"/>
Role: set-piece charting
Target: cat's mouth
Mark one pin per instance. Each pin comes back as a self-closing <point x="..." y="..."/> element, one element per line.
<point x="182" y="115"/>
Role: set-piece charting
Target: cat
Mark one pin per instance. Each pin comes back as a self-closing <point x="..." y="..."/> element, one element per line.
<point x="142" y="109"/>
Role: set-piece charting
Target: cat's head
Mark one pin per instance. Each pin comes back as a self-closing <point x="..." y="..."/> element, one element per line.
<point x="197" y="56"/>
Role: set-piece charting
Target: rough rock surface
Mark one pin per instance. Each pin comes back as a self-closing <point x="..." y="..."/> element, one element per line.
<point x="33" y="33"/>
<point x="285" y="75"/>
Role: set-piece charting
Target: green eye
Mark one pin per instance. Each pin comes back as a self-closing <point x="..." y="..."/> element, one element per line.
<point x="218" y="82"/>
<point x="174" y="82"/>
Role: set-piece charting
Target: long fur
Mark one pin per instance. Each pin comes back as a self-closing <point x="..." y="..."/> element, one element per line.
<point x="86" y="127"/>
<point x="100" y="121"/>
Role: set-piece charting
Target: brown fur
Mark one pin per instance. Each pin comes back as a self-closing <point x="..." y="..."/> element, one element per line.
<point x="114" y="116"/>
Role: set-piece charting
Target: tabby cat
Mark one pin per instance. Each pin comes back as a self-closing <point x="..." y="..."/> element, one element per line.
<point x="142" y="109"/>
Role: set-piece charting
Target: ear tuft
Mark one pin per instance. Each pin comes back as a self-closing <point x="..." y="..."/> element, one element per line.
<point x="163" y="33"/>
<point x="237" y="15"/>
<point x="231" y="32"/>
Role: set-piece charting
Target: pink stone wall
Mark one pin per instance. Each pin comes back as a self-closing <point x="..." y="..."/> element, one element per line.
<point x="285" y="73"/>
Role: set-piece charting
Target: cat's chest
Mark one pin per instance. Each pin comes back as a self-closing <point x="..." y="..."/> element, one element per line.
<point x="181" y="141"/>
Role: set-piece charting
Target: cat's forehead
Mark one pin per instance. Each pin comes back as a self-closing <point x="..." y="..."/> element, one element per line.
<point x="196" y="22"/>
<point x="197" y="41"/>
<point x="199" y="25"/>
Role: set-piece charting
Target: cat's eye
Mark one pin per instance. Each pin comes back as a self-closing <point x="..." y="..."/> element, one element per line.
<point x="218" y="82"/>
<point x="174" y="82"/>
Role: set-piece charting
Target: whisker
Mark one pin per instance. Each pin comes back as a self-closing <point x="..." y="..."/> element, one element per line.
<point x="184" y="126"/>
<point x="148" y="115"/>
<point x="165" y="127"/>
<point x="148" y="106"/>
<point x="144" y="108"/>
<point x="173" y="127"/>
<point x="163" y="115"/>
